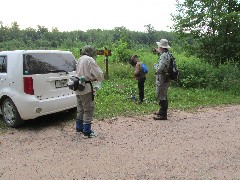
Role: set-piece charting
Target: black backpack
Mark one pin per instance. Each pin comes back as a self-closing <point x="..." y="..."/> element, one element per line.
<point x="172" y="70"/>
<point x="74" y="84"/>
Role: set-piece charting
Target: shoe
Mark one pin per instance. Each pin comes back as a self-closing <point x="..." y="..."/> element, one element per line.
<point x="89" y="135"/>
<point x="159" y="117"/>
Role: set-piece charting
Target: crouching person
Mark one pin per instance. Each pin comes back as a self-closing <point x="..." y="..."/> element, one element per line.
<point x="88" y="69"/>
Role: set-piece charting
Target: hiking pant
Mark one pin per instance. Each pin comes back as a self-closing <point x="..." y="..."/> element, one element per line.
<point x="141" y="88"/>
<point x="161" y="87"/>
<point x="85" y="108"/>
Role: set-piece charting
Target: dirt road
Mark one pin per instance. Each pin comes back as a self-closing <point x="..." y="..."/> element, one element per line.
<point x="191" y="145"/>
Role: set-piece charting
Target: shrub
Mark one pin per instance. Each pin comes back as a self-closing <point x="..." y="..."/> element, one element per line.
<point x="122" y="53"/>
<point x="195" y="73"/>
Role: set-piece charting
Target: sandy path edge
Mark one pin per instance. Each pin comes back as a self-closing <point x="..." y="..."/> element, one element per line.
<point x="191" y="145"/>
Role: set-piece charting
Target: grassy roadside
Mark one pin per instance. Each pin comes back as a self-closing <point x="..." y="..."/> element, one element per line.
<point x="120" y="104"/>
<point x="114" y="98"/>
<point x="180" y="99"/>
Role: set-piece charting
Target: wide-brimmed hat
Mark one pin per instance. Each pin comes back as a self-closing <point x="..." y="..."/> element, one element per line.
<point x="163" y="43"/>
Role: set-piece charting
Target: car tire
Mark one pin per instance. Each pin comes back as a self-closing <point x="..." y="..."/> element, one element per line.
<point x="10" y="113"/>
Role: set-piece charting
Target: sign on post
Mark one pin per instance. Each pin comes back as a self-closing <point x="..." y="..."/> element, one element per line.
<point x="106" y="52"/>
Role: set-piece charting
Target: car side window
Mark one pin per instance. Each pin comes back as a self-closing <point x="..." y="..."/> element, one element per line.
<point x="3" y="64"/>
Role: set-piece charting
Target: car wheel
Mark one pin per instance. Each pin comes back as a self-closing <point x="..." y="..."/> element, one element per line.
<point x="10" y="113"/>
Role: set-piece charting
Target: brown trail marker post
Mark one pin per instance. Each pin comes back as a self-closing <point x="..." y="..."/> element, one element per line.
<point x="106" y="52"/>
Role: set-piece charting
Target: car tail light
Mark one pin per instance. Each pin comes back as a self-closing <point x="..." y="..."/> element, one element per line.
<point x="28" y="85"/>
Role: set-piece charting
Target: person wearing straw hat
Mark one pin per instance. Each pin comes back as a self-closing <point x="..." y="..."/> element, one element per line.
<point x="162" y="79"/>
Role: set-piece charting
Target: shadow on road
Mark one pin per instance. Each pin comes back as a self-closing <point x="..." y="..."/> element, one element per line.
<point x="56" y="119"/>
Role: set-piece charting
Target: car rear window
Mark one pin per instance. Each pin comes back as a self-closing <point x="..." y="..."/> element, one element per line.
<point x="43" y="63"/>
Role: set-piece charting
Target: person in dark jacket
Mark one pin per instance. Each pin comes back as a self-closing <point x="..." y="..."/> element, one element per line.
<point x="139" y="76"/>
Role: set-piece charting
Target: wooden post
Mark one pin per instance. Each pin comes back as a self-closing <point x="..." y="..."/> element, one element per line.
<point x="106" y="53"/>
<point x="106" y="61"/>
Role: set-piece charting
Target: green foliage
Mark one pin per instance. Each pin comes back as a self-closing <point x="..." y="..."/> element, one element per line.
<point x="121" y="52"/>
<point x="191" y="98"/>
<point x="150" y="34"/>
<point x="209" y="29"/>
<point x="197" y="87"/>
<point x="12" y="45"/>
<point x="42" y="38"/>
<point x="227" y="78"/>
<point x="195" y="73"/>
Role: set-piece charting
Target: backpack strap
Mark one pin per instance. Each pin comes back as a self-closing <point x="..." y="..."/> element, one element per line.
<point x="169" y="58"/>
<point x="90" y="82"/>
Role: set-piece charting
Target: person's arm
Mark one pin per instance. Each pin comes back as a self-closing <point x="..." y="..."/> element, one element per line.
<point x="96" y="71"/>
<point x="163" y="62"/>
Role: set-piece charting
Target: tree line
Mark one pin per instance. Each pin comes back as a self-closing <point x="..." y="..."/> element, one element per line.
<point x="14" y="38"/>
<point x="207" y="29"/>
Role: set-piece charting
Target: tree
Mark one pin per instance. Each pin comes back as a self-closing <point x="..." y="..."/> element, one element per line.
<point x="150" y="34"/>
<point x="3" y="32"/>
<point x="42" y="31"/>
<point x="15" y="32"/>
<point x="210" y="27"/>
<point x="29" y="35"/>
<point x="119" y="37"/>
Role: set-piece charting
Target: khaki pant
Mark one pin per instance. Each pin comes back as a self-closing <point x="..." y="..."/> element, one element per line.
<point x="85" y="108"/>
<point x="162" y="86"/>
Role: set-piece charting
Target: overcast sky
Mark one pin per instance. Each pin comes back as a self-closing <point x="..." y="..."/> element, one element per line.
<point x="88" y="14"/>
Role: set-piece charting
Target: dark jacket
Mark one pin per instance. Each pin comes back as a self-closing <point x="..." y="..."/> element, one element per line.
<point x="138" y="73"/>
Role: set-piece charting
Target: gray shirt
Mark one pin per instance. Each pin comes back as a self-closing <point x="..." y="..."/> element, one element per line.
<point x="163" y="63"/>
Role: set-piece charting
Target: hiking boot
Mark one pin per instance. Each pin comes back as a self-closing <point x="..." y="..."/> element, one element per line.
<point x="89" y="135"/>
<point x="159" y="117"/>
<point x="79" y="130"/>
<point x="162" y="112"/>
<point x="87" y="131"/>
<point x="79" y="125"/>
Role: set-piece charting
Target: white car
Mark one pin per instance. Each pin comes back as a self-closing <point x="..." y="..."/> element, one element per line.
<point x="33" y="83"/>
